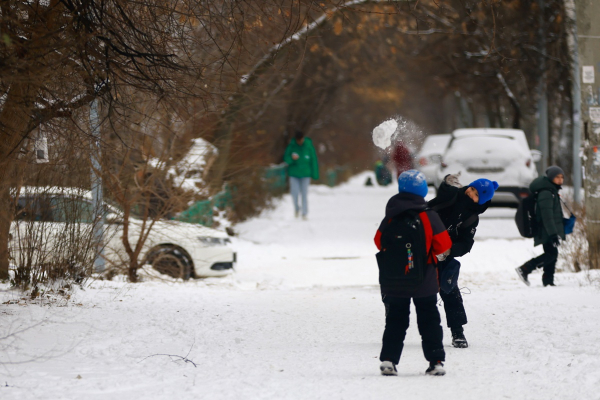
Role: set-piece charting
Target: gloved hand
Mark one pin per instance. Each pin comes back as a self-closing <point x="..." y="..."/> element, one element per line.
<point x="555" y="240"/>
<point x="452" y="180"/>
<point x="442" y="257"/>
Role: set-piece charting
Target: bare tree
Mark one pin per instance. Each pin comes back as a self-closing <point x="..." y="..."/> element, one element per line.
<point x="59" y="55"/>
<point x="227" y="65"/>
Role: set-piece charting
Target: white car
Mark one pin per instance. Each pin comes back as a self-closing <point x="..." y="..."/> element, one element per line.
<point x="501" y="155"/>
<point x="430" y="155"/>
<point x="48" y="216"/>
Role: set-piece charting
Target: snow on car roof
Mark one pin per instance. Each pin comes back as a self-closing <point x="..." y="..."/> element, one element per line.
<point x="56" y="190"/>
<point x="488" y="131"/>
<point x="516" y="134"/>
<point x="477" y="144"/>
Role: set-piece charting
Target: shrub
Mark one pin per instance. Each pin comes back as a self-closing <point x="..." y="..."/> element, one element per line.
<point x="573" y="253"/>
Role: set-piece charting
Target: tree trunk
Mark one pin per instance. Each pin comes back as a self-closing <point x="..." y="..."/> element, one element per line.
<point x="223" y="139"/>
<point x="516" y="124"/>
<point x="5" y="221"/>
<point x="132" y="270"/>
<point x="15" y="117"/>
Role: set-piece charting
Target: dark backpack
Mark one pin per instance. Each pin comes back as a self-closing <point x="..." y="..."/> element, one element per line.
<point x="403" y="256"/>
<point x="525" y="217"/>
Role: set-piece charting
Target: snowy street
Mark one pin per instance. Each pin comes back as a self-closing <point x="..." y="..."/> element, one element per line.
<point x="301" y="318"/>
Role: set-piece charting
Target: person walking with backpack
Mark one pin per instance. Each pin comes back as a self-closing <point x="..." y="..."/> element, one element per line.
<point x="459" y="209"/>
<point x="382" y="173"/>
<point x="301" y="158"/>
<point x="409" y="238"/>
<point x="550" y="225"/>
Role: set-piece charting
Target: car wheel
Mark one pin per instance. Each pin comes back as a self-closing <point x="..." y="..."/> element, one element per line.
<point x="172" y="261"/>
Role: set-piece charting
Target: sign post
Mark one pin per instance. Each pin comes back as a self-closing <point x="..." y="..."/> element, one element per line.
<point x="97" y="197"/>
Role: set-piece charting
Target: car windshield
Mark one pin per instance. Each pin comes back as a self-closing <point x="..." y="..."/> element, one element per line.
<point x="435" y="144"/>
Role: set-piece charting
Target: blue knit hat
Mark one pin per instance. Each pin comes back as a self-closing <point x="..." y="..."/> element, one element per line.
<point x="412" y="181"/>
<point x="485" y="189"/>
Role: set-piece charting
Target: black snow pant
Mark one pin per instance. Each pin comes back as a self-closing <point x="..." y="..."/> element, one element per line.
<point x="546" y="261"/>
<point x="456" y="316"/>
<point x="397" y="311"/>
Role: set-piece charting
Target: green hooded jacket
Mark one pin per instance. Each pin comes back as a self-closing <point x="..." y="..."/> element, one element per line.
<point x="548" y="212"/>
<point x="307" y="165"/>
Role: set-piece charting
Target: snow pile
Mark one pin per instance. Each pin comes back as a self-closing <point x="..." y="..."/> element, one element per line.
<point x="302" y="318"/>
<point x="188" y="173"/>
<point x="190" y="170"/>
<point x="195" y="159"/>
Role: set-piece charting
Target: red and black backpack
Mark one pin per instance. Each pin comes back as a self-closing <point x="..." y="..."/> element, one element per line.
<point x="403" y="256"/>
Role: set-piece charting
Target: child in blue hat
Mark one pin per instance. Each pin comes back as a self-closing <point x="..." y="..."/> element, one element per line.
<point x="409" y="205"/>
<point x="459" y="208"/>
<point x="485" y="189"/>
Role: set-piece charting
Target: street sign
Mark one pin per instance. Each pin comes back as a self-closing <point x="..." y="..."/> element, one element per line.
<point x="588" y="74"/>
<point x="595" y="114"/>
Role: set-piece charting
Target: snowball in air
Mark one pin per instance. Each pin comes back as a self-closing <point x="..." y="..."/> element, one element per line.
<point x="382" y="134"/>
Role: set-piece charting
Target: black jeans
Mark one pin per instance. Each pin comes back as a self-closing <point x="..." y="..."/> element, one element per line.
<point x="456" y="316"/>
<point x="546" y="261"/>
<point x="397" y="311"/>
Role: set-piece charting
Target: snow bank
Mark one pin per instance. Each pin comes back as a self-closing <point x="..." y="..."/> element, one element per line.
<point x="301" y="318"/>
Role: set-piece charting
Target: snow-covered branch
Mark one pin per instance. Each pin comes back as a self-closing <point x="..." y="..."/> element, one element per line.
<point x="303" y="32"/>
<point x="509" y="93"/>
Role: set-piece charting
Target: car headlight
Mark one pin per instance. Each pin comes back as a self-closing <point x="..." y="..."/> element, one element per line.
<point x="213" y="241"/>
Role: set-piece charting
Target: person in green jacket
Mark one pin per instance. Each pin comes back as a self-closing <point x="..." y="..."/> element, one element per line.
<point x="301" y="158"/>
<point x="382" y="173"/>
<point x="550" y="224"/>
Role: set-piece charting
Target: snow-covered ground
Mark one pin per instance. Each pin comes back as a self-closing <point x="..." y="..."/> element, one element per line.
<point x="301" y="318"/>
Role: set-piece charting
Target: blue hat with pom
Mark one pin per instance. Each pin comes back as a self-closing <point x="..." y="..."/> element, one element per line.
<point x="412" y="181"/>
<point x="485" y="189"/>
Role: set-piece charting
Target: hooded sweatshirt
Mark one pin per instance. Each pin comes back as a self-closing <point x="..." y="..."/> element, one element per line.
<point x="436" y="237"/>
<point x="306" y="166"/>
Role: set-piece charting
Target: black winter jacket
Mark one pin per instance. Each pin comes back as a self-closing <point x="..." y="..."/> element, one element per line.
<point x="549" y="211"/>
<point x="459" y="214"/>
<point x="436" y="237"/>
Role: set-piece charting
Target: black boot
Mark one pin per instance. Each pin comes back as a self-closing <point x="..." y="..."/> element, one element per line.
<point x="522" y="272"/>
<point x="458" y="339"/>
<point x="548" y="280"/>
<point x="436" y="368"/>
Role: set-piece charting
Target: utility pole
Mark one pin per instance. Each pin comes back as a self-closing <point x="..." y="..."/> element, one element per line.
<point x="587" y="12"/>
<point x="576" y="98"/>
<point x="97" y="197"/>
<point x="542" y="109"/>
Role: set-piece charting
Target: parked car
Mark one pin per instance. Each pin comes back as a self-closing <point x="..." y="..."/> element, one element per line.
<point x="502" y="155"/>
<point x="430" y="155"/>
<point x="45" y="215"/>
